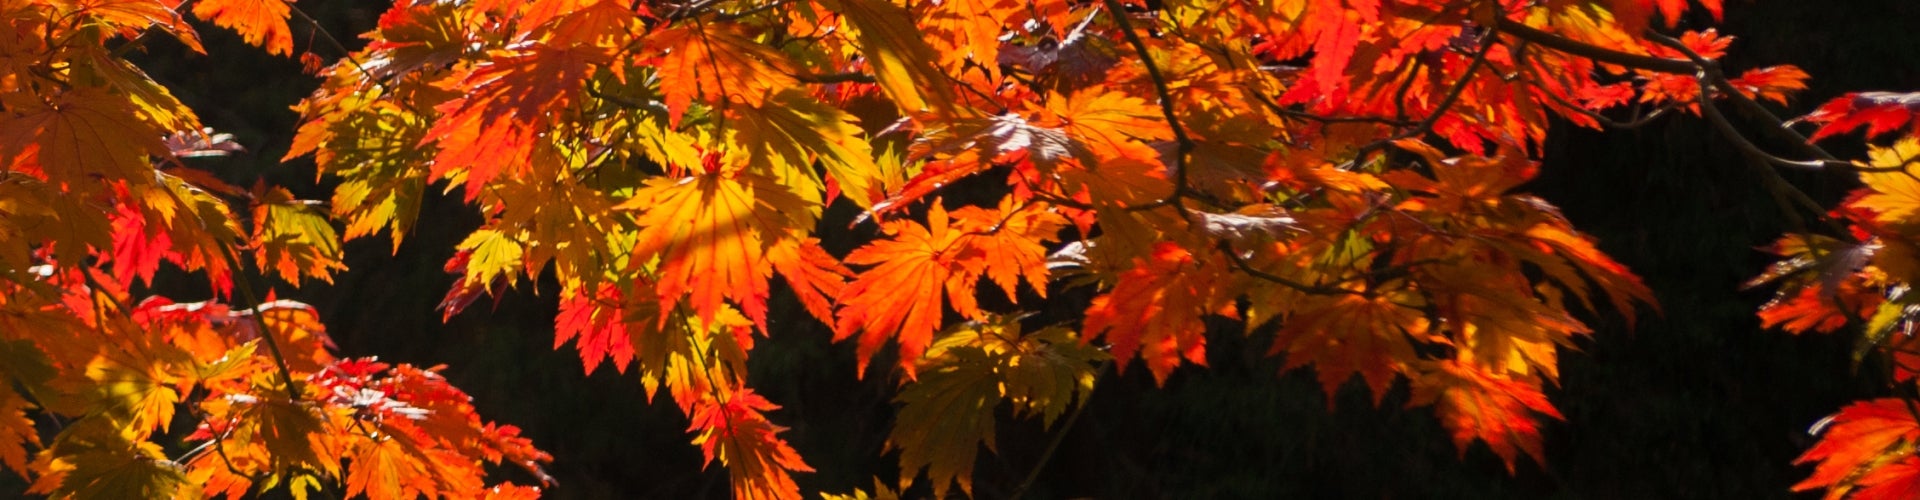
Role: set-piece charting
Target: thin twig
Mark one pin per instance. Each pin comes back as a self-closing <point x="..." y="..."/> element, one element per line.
<point x="1440" y="109"/>
<point x="1630" y="124"/>
<point x="731" y="16"/>
<point x="1233" y="256"/>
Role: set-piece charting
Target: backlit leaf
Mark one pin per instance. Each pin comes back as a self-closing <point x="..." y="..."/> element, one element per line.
<point x="736" y="433"/>
<point x="1867" y="449"/>
<point x="261" y="22"/>
<point x="1476" y="405"/>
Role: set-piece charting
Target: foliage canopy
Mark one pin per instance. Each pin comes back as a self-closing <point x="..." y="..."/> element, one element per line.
<point x="1335" y="177"/>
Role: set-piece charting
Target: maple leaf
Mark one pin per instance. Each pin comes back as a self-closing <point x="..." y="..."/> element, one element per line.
<point x="949" y="411"/>
<point x="1463" y="182"/>
<point x="79" y="133"/>
<point x="265" y="432"/>
<point x="494" y="127"/>
<point x="710" y="233"/>
<point x="292" y="238"/>
<point x="1880" y="112"/>
<point x="1772" y="83"/>
<point x="597" y="319"/>
<point x="1893" y="194"/>
<point x="372" y="146"/>
<point x="491" y="255"/>
<point x="1347" y="334"/>
<point x="91" y="460"/>
<point x="384" y="468"/>
<point x="1868" y="446"/>
<point x="948" y="414"/>
<point x="1155" y="310"/>
<point x="1010" y="242"/>
<point x="1671" y="9"/>
<point x="813" y="274"/>
<point x="262" y="23"/>
<point x="900" y="297"/>
<point x="1557" y="238"/>
<point x="16" y="431"/>
<point x="880" y="492"/>
<point x="1108" y="123"/>
<point x="1494" y="409"/>
<point x="967" y="29"/>
<point x="129" y="17"/>
<point x="136" y="251"/>
<point x="901" y="59"/>
<point x="783" y="138"/>
<point x="295" y="327"/>
<point x="717" y="63"/>
<point x="735" y="432"/>
<point x="151" y="100"/>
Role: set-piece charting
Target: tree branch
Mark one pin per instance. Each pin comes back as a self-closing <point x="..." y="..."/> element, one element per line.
<point x="1774" y="125"/>
<point x="1184" y="143"/>
<point x="1602" y="54"/>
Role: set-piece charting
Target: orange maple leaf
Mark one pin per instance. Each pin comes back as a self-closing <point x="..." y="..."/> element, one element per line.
<point x="734" y="431"/>
<point x="79" y="133"/>
<point x="262" y="23"/>
<point x="597" y="319"/>
<point x="506" y="107"/>
<point x="1156" y="309"/>
<point x="1868" y="450"/>
<point x="900" y="297"/>
<point x="717" y="63"/>
<point x="1474" y="404"/>
<point x="710" y="233"/>
<point x="1342" y="335"/>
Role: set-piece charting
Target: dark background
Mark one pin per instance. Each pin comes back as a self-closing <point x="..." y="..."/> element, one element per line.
<point x="1694" y="402"/>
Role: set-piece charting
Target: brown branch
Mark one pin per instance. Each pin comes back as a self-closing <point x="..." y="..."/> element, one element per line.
<point x="1746" y="105"/>
<point x="1602" y="54"/>
<point x="1630" y="124"/>
<point x="1784" y="192"/>
<point x="1233" y="256"/>
<point x="1180" y="138"/>
<point x="1708" y="70"/>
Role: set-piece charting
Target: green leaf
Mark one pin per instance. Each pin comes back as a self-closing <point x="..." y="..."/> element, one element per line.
<point x="494" y="255"/>
<point x="292" y="238"/>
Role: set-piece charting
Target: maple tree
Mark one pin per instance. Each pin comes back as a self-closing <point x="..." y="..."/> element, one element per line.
<point x="1335" y="177"/>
